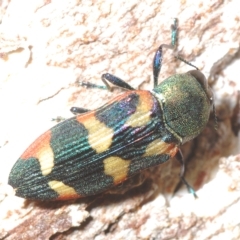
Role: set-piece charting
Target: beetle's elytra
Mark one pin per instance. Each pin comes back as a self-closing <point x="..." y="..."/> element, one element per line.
<point x="95" y="150"/>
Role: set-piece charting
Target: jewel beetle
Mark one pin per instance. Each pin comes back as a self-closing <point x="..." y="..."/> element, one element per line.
<point x="98" y="149"/>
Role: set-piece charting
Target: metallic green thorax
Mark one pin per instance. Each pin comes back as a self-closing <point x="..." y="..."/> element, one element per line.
<point x="186" y="103"/>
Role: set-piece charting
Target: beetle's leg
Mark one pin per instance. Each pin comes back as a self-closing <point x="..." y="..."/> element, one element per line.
<point x="157" y="60"/>
<point x="92" y="85"/>
<point x="179" y="157"/>
<point x="74" y="110"/>
<point x="78" y="110"/>
<point x="58" y="119"/>
<point x="174" y="32"/>
<point x="115" y="81"/>
<point x="107" y="77"/>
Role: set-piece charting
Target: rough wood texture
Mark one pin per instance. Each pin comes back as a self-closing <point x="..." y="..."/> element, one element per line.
<point x="46" y="47"/>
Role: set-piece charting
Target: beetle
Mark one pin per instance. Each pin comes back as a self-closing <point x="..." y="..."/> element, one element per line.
<point x="98" y="149"/>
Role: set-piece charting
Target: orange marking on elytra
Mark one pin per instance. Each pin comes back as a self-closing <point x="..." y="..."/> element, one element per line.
<point x="41" y="150"/>
<point x="40" y="143"/>
<point x="173" y="149"/>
